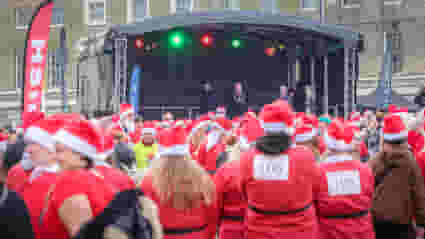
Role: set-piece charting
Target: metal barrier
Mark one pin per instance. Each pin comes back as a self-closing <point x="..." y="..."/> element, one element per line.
<point x="155" y="112"/>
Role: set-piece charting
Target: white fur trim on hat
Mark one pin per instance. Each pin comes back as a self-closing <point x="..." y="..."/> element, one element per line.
<point x="299" y="138"/>
<point x="104" y="155"/>
<point x="41" y="137"/>
<point x="393" y="137"/>
<point x="175" y="150"/>
<point x="76" y="144"/>
<point x="149" y="131"/>
<point x="337" y="145"/>
<point x="277" y="127"/>
<point x="3" y="146"/>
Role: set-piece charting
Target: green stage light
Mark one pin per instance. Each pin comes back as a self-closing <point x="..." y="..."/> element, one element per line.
<point x="177" y="40"/>
<point x="236" y="43"/>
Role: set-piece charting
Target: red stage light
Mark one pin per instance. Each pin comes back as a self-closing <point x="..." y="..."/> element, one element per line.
<point x="271" y="51"/>
<point x="207" y="40"/>
<point x="140" y="43"/>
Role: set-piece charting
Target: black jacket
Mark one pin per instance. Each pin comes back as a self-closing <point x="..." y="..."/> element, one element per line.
<point x="420" y="99"/>
<point x="15" y="221"/>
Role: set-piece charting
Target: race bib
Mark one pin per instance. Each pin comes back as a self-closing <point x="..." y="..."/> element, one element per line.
<point x="271" y="169"/>
<point x="343" y="183"/>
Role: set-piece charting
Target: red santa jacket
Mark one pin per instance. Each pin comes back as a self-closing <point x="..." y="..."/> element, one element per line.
<point x="322" y="145"/>
<point x="208" y="152"/>
<point x="115" y="177"/>
<point x="280" y="192"/>
<point x="197" y="223"/>
<point x="231" y="203"/>
<point x="17" y="177"/>
<point x="35" y="195"/>
<point x="344" y="198"/>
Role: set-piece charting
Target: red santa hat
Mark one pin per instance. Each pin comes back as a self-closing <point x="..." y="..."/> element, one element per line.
<point x="306" y="129"/>
<point x="395" y="128"/>
<point x="149" y="128"/>
<point x="3" y="142"/>
<point x="28" y="118"/>
<point x="249" y="133"/>
<point x="223" y="124"/>
<point x="107" y="148"/>
<point x="277" y="117"/>
<point x="82" y="137"/>
<point x="172" y="142"/>
<point x="42" y="132"/>
<point x="125" y="110"/>
<point x="335" y="136"/>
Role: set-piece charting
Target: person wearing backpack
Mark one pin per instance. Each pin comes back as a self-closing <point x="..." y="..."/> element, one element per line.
<point x="182" y="189"/>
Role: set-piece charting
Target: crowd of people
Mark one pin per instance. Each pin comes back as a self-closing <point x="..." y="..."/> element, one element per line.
<point x="271" y="174"/>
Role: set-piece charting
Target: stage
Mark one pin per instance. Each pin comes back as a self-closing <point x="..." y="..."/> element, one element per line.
<point x="304" y="53"/>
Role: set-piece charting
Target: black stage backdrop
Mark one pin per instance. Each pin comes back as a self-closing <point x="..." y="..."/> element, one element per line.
<point x="174" y="79"/>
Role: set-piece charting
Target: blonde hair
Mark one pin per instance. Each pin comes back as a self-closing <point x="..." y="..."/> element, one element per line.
<point x="184" y="182"/>
<point x="235" y="152"/>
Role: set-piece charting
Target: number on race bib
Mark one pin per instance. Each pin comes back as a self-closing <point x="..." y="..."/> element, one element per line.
<point x="271" y="169"/>
<point x="343" y="183"/>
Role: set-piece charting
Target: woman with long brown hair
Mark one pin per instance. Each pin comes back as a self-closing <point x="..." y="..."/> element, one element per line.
<point x="184" y="192"/>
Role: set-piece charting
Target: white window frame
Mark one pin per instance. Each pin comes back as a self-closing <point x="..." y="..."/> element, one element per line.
<point x="347" y="5"/>
<point x="308" y="9"/>
<point x="87" y="11"/>
<point x="25" y="27"/>
<point x="18" y="68"/>
<point x="275" y="7"/>
<point x="392" y="3"/>
<point x="232" y="4"/>
<point x="130" y="13"/>
<point x="173" y="6"/>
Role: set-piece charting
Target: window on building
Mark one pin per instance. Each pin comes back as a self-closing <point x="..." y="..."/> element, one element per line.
<point x="137" y="10"/>
<point x="269" y="6"/>
<point x="183" y="6"/>
<point x="23" y="16"/>
<point x="96" y="12"/>
<point x="310" y="4"/>
<point x="392" y="2"/>
<point x="351" y="3"/>
<point x="232" y="4"/>
<point x="52" y="70"/>
<point x="19" y="64"/>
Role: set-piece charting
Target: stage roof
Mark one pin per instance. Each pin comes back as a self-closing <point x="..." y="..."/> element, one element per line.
<point x="261" y="22"/>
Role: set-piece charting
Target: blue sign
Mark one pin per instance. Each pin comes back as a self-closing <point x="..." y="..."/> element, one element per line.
<point x="135" y="88"/>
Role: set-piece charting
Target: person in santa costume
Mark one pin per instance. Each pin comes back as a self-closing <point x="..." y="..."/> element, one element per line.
<point x="19" y="173"/>
<point x="279" y="180"/>
<point x="346" y="188"/>
<point x="183" y="191"/>
<point x="231" y="203"/>
<point x="40" y="148"/>
<point x="399" y="186"/>
<point x="214" y="144"/>
<point x="307" y="134"/>
<point x="113" y="175"/>
<point x="81" y="192"/>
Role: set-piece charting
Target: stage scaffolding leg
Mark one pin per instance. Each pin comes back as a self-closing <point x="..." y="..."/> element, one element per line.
<point x="325" y="85"/>
<point x="313" y="84"/>
<point x="346" y="80"/>
<point x="120" y="87"/>
<point x="353" y="79"/>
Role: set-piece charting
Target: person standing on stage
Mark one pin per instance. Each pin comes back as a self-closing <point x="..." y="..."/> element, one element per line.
<point x="208" y="97"/>
<point x="239" y="101"/>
